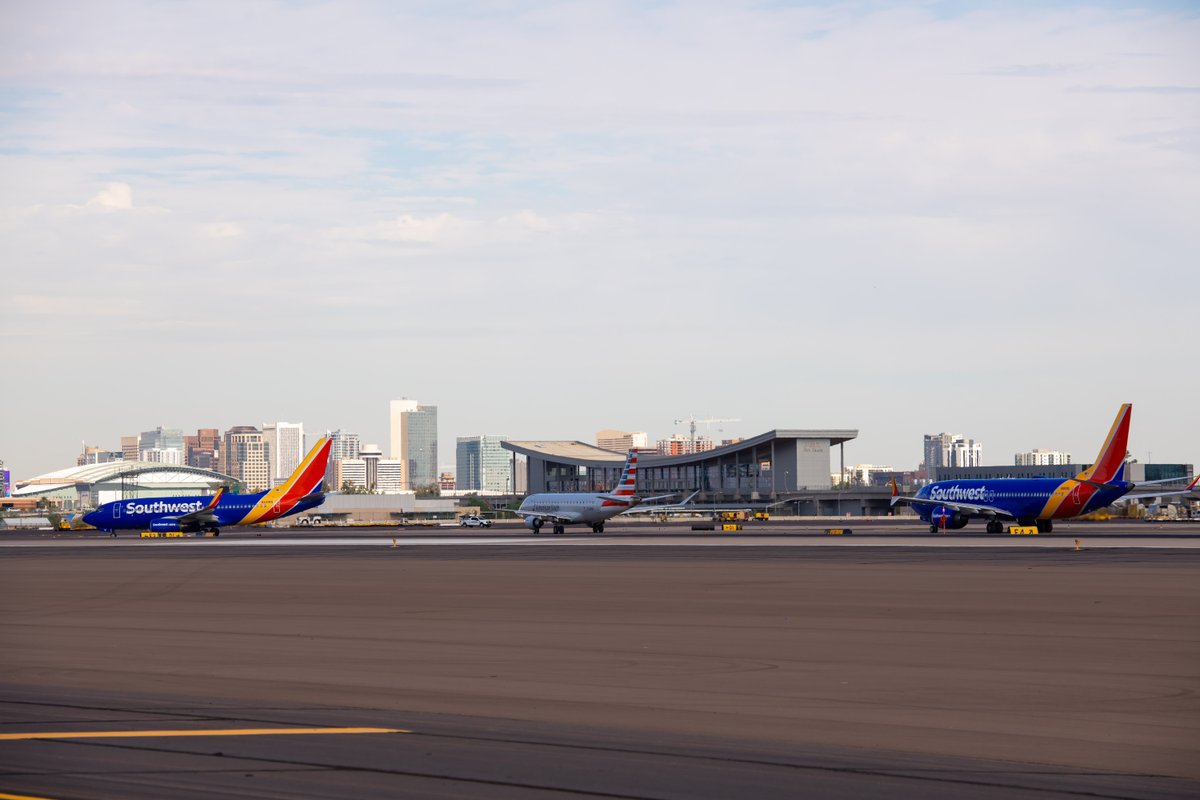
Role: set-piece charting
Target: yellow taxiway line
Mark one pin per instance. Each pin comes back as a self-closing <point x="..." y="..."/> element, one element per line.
<point x="4" y="796"/>
<point x="207" y="732"/>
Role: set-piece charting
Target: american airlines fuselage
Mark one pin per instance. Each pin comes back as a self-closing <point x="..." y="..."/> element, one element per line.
<point x="578" y="508"/>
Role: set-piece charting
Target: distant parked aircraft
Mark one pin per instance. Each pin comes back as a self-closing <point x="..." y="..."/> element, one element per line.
<point x="1034" y="501"/>
<point x="300" y="492"/>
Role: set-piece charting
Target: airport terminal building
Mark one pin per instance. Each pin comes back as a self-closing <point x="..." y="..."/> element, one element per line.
<point x="787" y="466"/>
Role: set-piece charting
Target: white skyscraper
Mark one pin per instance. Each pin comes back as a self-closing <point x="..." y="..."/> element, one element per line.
<point x="1039" y="458"/>
<point x="951" y="450"/>
<point x="285" y="447"/>
<point x="342" y="445"/>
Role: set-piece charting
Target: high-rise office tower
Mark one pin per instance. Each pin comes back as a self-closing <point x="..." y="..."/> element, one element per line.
<point x="950" y="450"/>
<point x="160" y="439"/>
<point x="415" y="441"/>
<point x="245" y="457"/>
<point x="342" y="445"/>
<point x="285" y="444"/>
<point x="204" y="449"/>
<point x="481" y="464"/>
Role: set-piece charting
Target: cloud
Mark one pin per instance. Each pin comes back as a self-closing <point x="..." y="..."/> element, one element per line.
<point x="114" y="197"/>
<point x="973" y="184"/>
<point x="1031" y="70"/>
<point x="220" y="230"/>
<point x="1135" y="89"/>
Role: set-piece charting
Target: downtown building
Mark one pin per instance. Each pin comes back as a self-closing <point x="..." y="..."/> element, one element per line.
<point x="203" y="450"/>
<point x="285" y="448"/>
<point x="342" y="445"/>
<point x="151" y="444"/>
<point x="622" y="441"/>
<point x="1038" y="457"/>
<point x="950" y="450"/>
<point x="245" y="457"/>
<point x="681" y="445"/>
<point x="370" y="472"/>
<point x="98" y="455"/>
<point x="414" y="441"/>
<point x="482" y="465"/>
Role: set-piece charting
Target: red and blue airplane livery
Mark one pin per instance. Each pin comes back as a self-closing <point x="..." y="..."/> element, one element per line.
<point x="1034" y="501"/>
<point x="300" y="492"/>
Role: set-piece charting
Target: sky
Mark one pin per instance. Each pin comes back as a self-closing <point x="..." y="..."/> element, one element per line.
<point x="553" y="218"/>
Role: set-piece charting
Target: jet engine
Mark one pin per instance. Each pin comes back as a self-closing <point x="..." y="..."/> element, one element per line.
<point x="947" y="518"/>
<point x="533" y="523"/>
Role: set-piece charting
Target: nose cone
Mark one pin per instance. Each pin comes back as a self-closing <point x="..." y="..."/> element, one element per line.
<point x="92" y="518"/>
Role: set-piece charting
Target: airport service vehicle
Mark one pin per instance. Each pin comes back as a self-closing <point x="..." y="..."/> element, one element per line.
<point x="474" y="521"/>
<point x="300" y="492"/>
<point x="1035" y="501"/>
<point x="584" y="508"/>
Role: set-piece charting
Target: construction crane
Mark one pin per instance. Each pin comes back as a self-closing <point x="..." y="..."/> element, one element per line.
<point x="692" y="422"/>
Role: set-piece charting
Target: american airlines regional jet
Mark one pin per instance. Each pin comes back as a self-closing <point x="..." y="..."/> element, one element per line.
<point x="584" y="508"/>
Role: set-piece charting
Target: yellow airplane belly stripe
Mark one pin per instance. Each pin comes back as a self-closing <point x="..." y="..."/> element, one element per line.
<point x="201" y="732"/>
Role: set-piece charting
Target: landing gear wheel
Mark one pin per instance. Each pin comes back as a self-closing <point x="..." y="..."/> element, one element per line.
<point x="537" y="526"/>
<point x="933" y="528"/>
<point x="1045" y="525"/>
<point x="600" y="528"/>
<point x="995" y="526"/>
<point x="558" y="529"/>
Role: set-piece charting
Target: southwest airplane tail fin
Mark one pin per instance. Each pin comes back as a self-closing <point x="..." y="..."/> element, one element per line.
<point x="308" y="476"/>
<point x="283" y="498"/>
<point x="1110" y="463"/>
<point x="627" y="486"/>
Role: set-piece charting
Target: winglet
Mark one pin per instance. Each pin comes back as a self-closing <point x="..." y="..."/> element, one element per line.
<point x="1192" y="485"/>
<point x="895" y="491"/>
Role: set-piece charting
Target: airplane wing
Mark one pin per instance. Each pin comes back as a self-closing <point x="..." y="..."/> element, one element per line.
<point x="556" y="519"/>
<point x="664" y="508"/>
<point x="205" y="515"/>
<point x="1189" y="489"/>
<point x="976" y="509"/>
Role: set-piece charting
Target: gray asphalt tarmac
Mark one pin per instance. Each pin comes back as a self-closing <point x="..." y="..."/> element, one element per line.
<point x="620" y="670"/>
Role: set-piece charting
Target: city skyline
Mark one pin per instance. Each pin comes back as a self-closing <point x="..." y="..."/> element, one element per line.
<point x="901" y="218"/>
<point x="859" y="451"/>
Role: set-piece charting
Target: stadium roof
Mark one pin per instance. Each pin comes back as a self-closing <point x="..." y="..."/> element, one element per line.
<point x="147" y="474"/>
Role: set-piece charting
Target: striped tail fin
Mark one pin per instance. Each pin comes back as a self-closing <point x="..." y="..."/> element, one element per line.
<point x="306" y="479"/>
<point x="1110" y="463"/>
<point x="627" y="486"/>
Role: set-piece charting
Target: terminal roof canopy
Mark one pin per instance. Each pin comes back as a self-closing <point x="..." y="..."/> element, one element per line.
<point x="576" y="452"/>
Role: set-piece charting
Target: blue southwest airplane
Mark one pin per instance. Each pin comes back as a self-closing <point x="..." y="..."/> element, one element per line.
<point x="1034" y="501"/>
<point x="300" y="492"/>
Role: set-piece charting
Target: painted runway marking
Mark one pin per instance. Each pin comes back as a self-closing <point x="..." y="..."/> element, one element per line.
<point x="5" y="796"/>
<point x="218" y="732"/>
